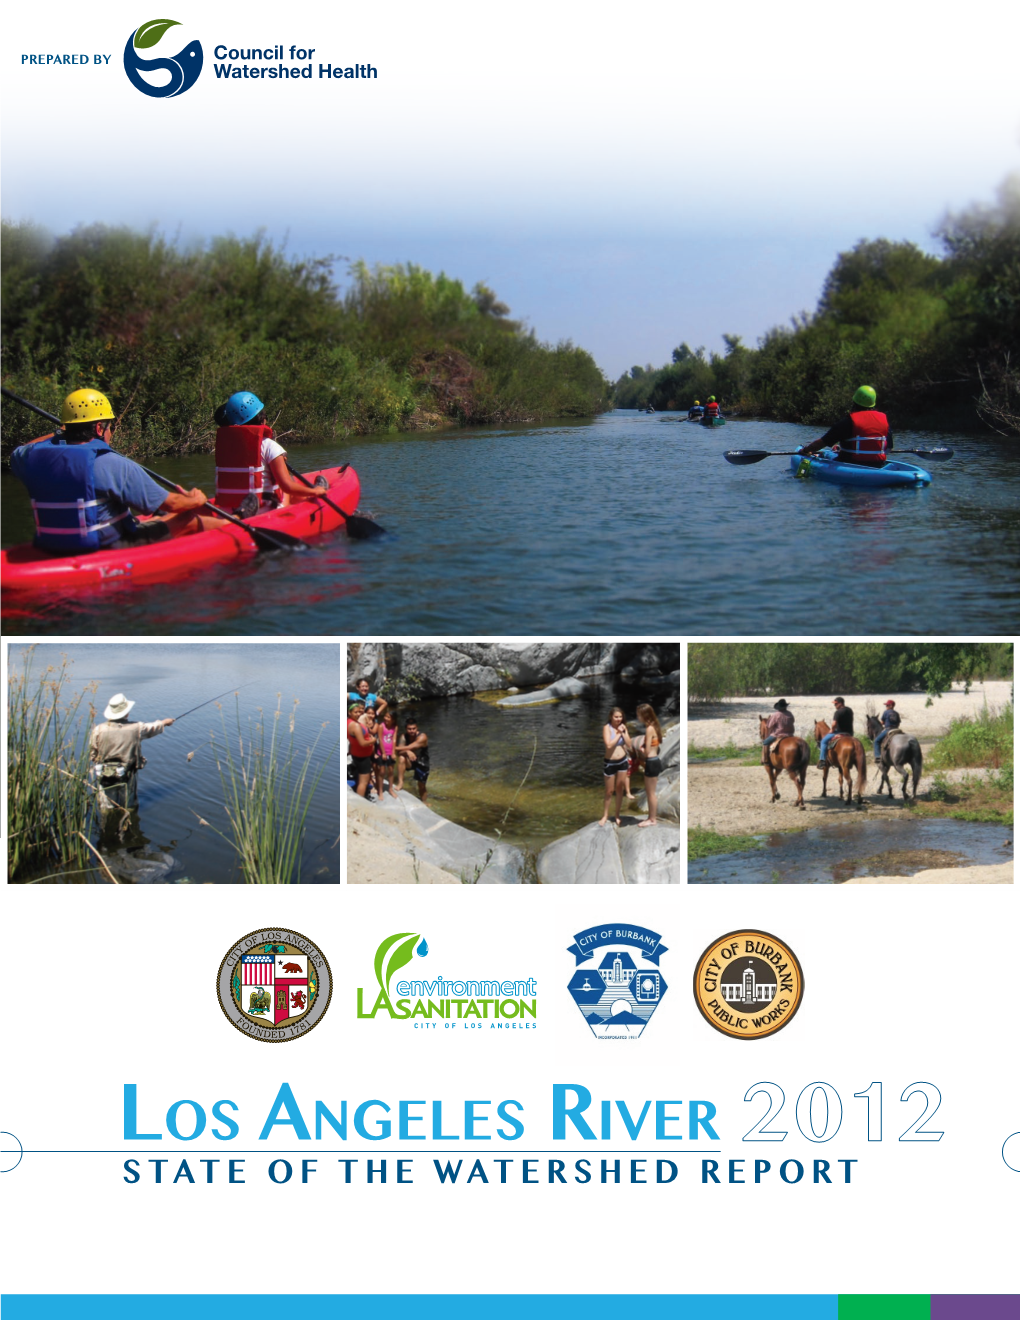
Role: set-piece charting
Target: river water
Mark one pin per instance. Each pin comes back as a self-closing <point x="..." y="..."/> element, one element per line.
<point x="173" y="847"/>
<point x="833" y="854"/>
<point x="627" y="525"/>
<point x="528" y="774"/>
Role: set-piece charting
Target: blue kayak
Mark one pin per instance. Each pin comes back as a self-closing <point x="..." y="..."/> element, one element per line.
<point x="824" y="466"/>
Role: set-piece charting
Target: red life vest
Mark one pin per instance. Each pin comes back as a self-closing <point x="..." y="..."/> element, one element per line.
<point x="871" y="432"/>
<point x="239" y="470"/>
<point x="712" y="410"/>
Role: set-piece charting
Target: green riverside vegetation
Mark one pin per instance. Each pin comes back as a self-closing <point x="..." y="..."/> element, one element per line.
<point x="937" y="336"/>
<point x="51" y="804"/>
<point x="268" y="788"/>
<point x="168" y="333"/>
<point x="985" y="743"/>
<point x="707" y="843"/>
<point x="716" y="670"/>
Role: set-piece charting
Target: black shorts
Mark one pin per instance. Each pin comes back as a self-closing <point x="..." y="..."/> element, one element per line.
<point x="420" y="774"/>
<point x="361" y="765"/>
<point x="653" y="767"/>
<point x="610" y="768"/>
<point x="386" y="760"/>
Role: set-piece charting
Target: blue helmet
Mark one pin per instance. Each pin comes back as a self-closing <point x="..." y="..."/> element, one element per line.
<point x="241" y="407"/>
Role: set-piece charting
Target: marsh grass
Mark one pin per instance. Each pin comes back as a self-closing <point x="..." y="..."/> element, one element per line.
<point x="51" y="803"/>
<point x="267" y="791"/>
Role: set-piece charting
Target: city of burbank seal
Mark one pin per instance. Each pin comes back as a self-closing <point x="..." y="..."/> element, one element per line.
<point x="274" y="985"/>
<point x="748" y="984"/>
<point x="617" y="995"/>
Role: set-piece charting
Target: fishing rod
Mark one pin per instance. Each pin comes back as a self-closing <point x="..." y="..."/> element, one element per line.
<point x="211" y="700"/>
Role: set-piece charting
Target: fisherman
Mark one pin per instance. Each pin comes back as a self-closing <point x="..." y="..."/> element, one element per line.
<point x="697" y="411"/>
<point x="861" y="437"/>
<point x="83" y="492"/>
<point x="780" y="725"/>
<point x="890" y="721"/>
<point x="115" y="749"/>
<point x="712" y="409"/>
<point x="251" y="467"/>
<point x="842" y="723"/>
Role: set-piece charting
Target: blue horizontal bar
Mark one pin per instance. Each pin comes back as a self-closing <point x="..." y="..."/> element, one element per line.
<point x="427" y="1306"/>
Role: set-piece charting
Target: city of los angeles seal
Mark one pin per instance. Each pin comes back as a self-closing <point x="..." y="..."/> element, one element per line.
<point x="274" y="985"/>
<point x="748" y="984"/>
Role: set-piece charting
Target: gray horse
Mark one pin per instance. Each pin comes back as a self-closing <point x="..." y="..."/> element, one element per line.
<point x="900" y="751"/>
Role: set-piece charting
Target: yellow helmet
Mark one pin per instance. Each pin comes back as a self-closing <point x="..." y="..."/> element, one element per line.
<point x="86" y="406"/>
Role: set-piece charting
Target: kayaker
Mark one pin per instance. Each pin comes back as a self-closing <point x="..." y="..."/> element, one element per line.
<point x="861" y="437"/>
<point x="697" y="411"/>
<point x="251" y="467"/>
<point x="712" y="409"/>
<point x="115" y="748"/>
<point x="842" y="722"/>
<point x="83" y="493"/>
<point x="779" y="725"/>
<point x="890" y="721"/>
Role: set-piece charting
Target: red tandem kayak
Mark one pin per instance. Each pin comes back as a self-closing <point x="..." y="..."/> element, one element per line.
<point x="24" y="568"/>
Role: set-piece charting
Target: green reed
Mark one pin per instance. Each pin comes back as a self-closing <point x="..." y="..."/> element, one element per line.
<point x="51" y="804"/>
<point x="267" y="791"/>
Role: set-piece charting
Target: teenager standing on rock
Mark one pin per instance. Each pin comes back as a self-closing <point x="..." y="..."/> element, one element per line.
<point x="652" y="761"/>
<point x="618" y="747"/>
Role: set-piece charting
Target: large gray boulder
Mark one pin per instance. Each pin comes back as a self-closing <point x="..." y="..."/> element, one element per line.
<point x="436" y="669"/>
<point x="611" y="855"/>
<point x="432" y="838"/>
<point x="563" y="690"/>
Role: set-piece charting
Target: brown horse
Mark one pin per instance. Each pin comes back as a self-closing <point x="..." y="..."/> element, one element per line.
<point x="790" y="754"/>
<point x="846" y="753"/>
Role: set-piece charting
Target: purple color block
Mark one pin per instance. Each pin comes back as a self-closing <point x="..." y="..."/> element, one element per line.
<point x="975" y="1306"/>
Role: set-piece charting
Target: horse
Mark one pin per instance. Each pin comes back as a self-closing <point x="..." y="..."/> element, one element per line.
<point x="900" y="751"/>
<point x="792" y="755"/>
<point x="846" y="753"/>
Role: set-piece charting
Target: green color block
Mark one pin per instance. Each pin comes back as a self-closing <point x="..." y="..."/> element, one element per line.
<point x="885" y="1306"/>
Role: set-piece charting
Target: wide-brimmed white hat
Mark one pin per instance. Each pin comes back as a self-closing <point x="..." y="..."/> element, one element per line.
<point x="118" y="707"/>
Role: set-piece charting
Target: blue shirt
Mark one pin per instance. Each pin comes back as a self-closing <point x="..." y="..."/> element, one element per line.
<point x="368" y="700"/>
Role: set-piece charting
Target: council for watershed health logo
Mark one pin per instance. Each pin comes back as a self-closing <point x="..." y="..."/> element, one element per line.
<point x="616" y="994"/>
<point x="497" y="1005"/>
<point x="183" y="68"/>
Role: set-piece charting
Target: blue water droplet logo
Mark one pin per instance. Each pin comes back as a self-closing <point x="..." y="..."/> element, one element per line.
<point x="422" y="948"/>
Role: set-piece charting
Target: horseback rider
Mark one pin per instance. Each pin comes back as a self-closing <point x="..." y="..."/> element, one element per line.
<point x="780" y="725"/>
<point x="890" y="721"/>
<point x="842" y="723"/>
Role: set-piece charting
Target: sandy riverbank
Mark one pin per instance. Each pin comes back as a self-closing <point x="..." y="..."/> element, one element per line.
<point x="714" y="724"/>
<point x="734" y="799"/>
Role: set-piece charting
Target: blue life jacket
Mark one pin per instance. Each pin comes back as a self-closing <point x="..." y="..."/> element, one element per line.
<point x="60" y="481"/>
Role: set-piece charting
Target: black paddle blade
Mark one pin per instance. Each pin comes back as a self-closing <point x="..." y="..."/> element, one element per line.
<point x="743" y="456"/>
<point x="363" y="529"/>
<point x="275" y="540"/>
<point x="937" y="455"/>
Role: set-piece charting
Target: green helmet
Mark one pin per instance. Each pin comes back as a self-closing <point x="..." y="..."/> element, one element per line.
<point x="865" y="396"/>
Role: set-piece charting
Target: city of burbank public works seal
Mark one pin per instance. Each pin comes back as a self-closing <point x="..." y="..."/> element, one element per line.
<point x="748" y="984"/>
<point x="274" y="985"/>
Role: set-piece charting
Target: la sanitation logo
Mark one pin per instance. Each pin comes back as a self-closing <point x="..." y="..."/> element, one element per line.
<point x="183" y="68"/>
<point x="499" y="1005"/>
